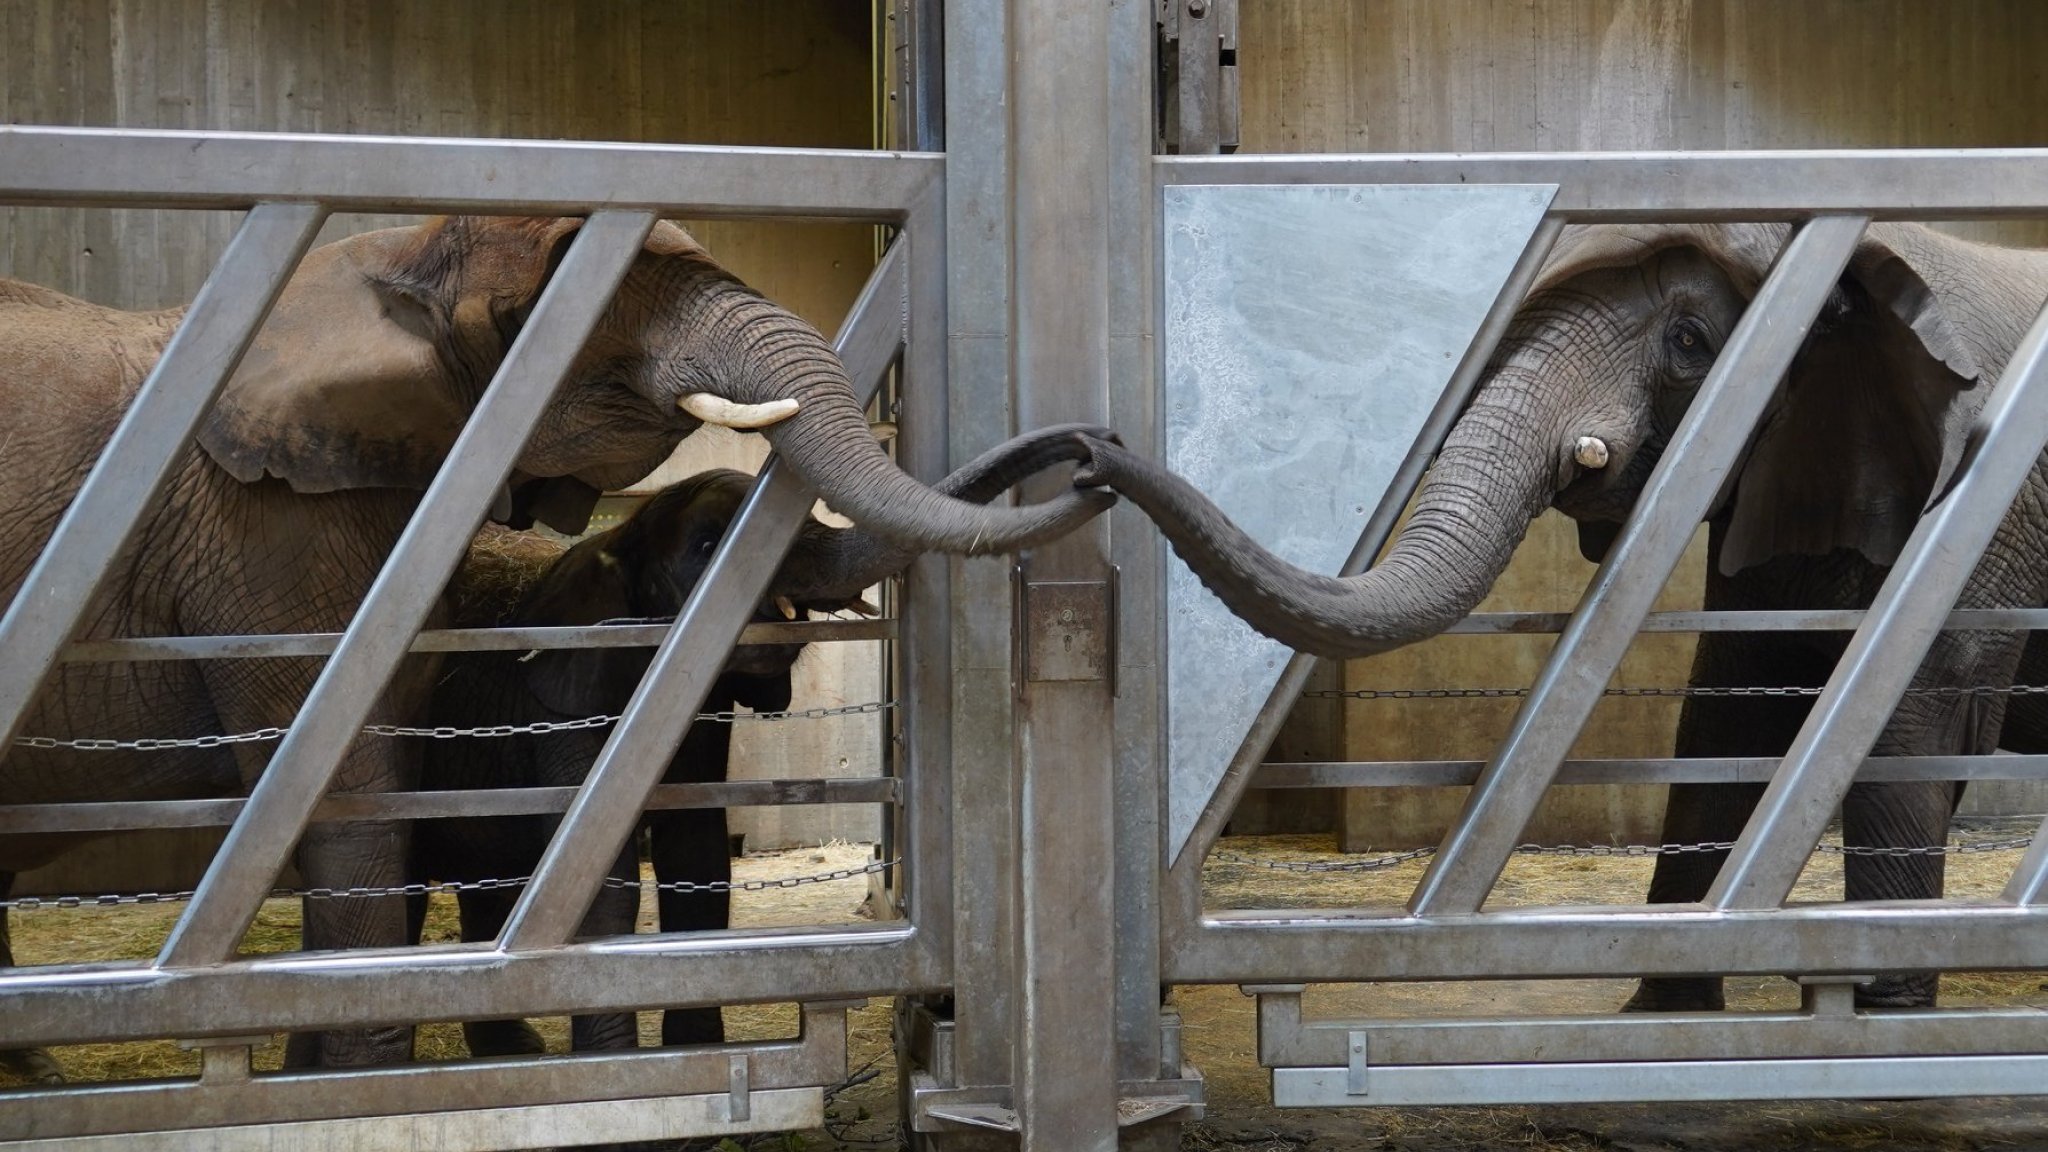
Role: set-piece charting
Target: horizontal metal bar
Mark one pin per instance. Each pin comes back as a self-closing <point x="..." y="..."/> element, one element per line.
<point x="817" y="1059"/>
<point x="303" y="991"/>
<point x="1263" y="946"/>
<point x="460" y="640"/>
<point x="1910" y="1077"/>
<point x="1701" y="770"/>
<point x="655" y="1119"/>
<point x="1906" y="184"/>
<point x="140" y="168"/>
<point x="1670" y="1036"/>
<point x="114" y="816"/>
<point x="1797" y="620"/>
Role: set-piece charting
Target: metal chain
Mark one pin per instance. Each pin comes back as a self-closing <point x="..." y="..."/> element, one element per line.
<point x="30" y="903"/>
<point x="537" y="728"/>
<point x="1693" y="690"/>
<point x="1378" y="862"/>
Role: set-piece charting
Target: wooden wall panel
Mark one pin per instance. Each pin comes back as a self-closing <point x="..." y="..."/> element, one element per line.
<point x="1552" y="75"/>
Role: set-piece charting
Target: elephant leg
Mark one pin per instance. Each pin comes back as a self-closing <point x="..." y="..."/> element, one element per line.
<point x="1914" y="813"/>
<point x="611" y="914"/>
<point x="690" y="844"/>
<point x="31" y="1065"/>
<point x="483" y="913"/>
<point x="1716" y="726"/>
<point x="370" y="854"/>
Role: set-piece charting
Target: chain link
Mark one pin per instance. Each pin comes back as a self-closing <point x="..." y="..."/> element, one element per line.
<point x="31" y="903"/>
<point x="489" y="731"/>
<point x="1376" y="863"/>
<point x="1688" y="691"/>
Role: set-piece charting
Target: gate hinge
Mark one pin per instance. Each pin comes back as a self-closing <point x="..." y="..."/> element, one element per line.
<point x="1196" y="47"/>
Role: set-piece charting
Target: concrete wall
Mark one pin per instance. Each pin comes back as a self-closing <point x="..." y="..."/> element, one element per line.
<point x="790" y="73"/>
<point x="1557" y="75"/>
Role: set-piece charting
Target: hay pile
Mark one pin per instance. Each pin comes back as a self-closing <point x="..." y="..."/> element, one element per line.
<point x="499" y="568"/>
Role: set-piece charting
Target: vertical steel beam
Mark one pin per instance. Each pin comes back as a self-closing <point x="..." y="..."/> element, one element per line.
<point x="1185" y="877"/>
<point x="1677" y="496"/>
<point x="147" y="445"/>
<point x="608" y="805"/>
<point x="1885" y="654"/>
<point x="1066" y="1095"/>
<point x="1135" y="545"/>
<point x="281" y="804"/>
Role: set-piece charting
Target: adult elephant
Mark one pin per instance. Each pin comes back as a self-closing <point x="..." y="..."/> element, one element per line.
<point x="645" y="567"/>
<point x="1578" y="404"/>
<point x="308" y="466"/>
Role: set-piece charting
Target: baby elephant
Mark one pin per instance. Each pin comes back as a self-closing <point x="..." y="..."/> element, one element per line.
<point x="644" y="567"/>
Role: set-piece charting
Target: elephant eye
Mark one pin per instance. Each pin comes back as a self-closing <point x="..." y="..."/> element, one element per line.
<point x="1691" y="352"/>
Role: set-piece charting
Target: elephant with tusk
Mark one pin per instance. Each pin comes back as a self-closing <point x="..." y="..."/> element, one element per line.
<point x="1577" y="406"/>
<point x="312" y="460"/>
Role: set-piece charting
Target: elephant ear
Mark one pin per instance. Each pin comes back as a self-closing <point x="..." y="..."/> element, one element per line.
<point x="766" y="692"/>
<point x="376" y="351"/>
<point x="588" y="585"/>
<point x="1869" y="422"/>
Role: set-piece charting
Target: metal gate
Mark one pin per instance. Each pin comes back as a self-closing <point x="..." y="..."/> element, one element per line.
<point x="196" y="989"/>
<point x="1825" y="1049"/>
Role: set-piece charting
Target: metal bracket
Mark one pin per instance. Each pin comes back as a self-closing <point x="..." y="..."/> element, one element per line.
<point x="1069" y="630"/>
<point x="1829" y="995"/>
<point x="739" y="1100"/>
<point x="224" y="1059"/>
<point x="1198" y="112"/>
<point x="1356" y="1066"/>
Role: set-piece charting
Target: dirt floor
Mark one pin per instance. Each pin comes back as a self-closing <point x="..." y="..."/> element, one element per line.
<point x="1218" y="1022"/>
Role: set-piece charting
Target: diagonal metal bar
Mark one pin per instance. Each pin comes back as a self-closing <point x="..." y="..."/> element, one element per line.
<point x="2029" y="882"/>
<point x="1237" y="778"/>
<point x="1886" y="652"/>
<point x="605" y="811"/>
<point x="150" y="441"/>
<point x="285" y="796"/>
<point x="1678" y="494"/>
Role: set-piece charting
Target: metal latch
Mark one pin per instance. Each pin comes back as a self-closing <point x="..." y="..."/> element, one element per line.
<point x="1069" y="630"/>
<point x="1199" y="100"/>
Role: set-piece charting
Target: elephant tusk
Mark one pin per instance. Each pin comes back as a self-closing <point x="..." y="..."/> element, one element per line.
<point x="884" y="430"/>
<point x="862" y="607"/>
<point x="718" y="410"/>
<point x="1590" y="451"/>
<point x="787" y="607"/>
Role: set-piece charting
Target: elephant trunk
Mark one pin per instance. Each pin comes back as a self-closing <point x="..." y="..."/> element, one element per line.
<point x="833" y="565"/>
<point x="829" y="443"/>
<point x="1497" y="471"/>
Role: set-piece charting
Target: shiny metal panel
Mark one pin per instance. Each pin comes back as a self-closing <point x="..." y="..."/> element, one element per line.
<point x="1309" y="333"/>
<point x="1702" y="452"/>
<point x="426" y="554"/>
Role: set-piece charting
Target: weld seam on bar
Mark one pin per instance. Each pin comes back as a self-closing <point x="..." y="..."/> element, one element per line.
<point x="282" y="802"/>
<point x="1885" y="655"/>
<point x="616" y="789"/>
<point x="150" y="442"/>
<point x="1692" y="470"/>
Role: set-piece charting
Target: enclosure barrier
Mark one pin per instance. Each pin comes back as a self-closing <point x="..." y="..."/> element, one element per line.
<point x="1826" y="1049"/>
<point x="197" y="989"/>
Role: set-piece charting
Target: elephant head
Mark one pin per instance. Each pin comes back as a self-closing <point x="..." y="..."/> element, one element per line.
<point x="383" y="342"/>
<point x="1585" y="390"/>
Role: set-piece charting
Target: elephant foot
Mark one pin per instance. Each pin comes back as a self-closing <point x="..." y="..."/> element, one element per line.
<point x="30" y="1066"/>
<point x="1899" y="990"/>
<point x="1677" y="994"/>
<point x="503" y="1038"/>
<point x="604" y="1032"/>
